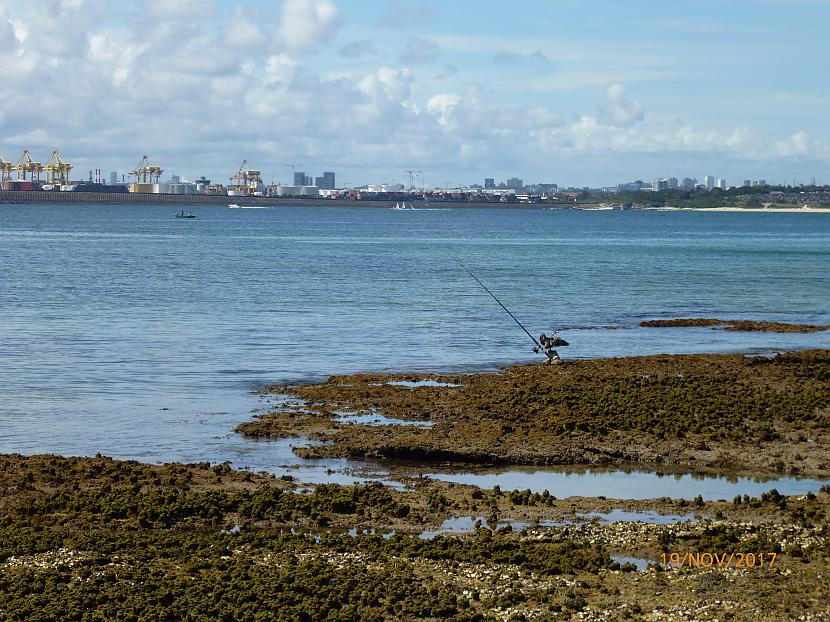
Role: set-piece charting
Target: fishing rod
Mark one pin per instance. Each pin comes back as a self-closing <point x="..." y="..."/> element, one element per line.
<point x="537" y="345"/>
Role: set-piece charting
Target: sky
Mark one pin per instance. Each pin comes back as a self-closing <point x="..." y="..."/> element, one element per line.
<point x="582" y="93"/>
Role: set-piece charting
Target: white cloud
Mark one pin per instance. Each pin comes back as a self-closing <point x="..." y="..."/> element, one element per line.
<point x="112" y="88"/>
<point x="279" y="68"/>
<point x="797" y="145"/>
<point x="442" y="106"/>
<point x="306" y="24"/>
<point x="243" y="31"/>
<point x="622" y="109"/>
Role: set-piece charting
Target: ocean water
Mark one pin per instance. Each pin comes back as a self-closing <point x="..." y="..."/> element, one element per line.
<point x="128" y="332"/>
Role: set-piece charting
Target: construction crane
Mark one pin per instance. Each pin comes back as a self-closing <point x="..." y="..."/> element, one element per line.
<point x="293" y="168"/>
<point x="57" y="171"/>
<point x="6" y="168"/>
<point x="146" y="171"/>
<point x="28" y="165"/>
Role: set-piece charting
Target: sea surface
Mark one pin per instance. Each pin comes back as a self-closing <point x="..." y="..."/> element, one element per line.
<point x="128" y="332"/>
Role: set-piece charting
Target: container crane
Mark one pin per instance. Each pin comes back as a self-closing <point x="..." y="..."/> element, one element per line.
<point x="6" y="168"/>
<point x="146" y="171"/>
<point x="238" y="178"/>
<point x="27" y="165"/>
<point x="248" y="182"/>
<point x="57" y="171"/>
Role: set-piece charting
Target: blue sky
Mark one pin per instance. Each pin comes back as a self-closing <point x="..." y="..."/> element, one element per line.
<point x="582" y="93"/>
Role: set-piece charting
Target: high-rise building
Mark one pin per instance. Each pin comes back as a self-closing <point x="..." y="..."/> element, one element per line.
<point x="489" y="183"/>
<point x="709" y="182"/>
<point x="113" y="178"/>
<point x="515" y="183"/>
<point x="175" y="179"/>
<point x="689" y="184"/>
<point x="721" y="183"/>
<point x="762" y="182"/>
<point x="299" y="178"/>
<point x="672" y="183"/>
<point x="747" y="182"/>
<point x="326" y="182"/>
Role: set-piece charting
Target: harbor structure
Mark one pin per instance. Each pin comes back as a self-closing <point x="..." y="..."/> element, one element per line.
<point x="246" y="182"/>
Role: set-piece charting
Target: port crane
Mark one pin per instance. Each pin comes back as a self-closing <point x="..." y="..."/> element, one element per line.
<point x="57" y="170"/>
<point x="146" y="171"/>
<point x="247" y="181"/>
<point x="27" y="165"/>
<point x="238" y="177"/>
<point x="6" y="168"/>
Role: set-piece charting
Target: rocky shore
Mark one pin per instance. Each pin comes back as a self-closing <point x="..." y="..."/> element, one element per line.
<point x="729" y="413"/>
<point x="94" y="538"/>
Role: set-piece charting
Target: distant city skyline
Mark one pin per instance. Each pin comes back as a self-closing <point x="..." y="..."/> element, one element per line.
<point x="372" y="90"/>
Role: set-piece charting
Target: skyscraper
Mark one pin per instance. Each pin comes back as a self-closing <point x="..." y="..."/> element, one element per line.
<point x="299" y="178"/>
<point x="515" y="183"/>
<point x="721" y="183"/>
<point x="326" y="182"/>
<point x="709" y="182"/>
<point x="489" y="183"/>
<point x="113" y="178"/>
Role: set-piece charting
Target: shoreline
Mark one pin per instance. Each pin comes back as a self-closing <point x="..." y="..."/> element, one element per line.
<point x="19" y="197"/>
<point x="748" y="210"/>
<point x="665" y="412"/>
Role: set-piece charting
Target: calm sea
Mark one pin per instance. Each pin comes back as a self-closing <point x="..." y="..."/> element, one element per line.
<point x="126" y="331"/>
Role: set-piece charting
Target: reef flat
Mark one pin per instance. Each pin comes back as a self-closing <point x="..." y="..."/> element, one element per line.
<point x="729" y="413"/>
<point x="94" y="539"/>
<point x="735" y="325"/>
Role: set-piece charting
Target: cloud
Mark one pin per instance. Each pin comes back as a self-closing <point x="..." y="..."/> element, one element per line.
<point x="398" y="15"/>
<point x="448" y="72"/>
<point x="359" y="49"/>
<point x="8" y="40"/>
<point x="797" y="145"/>
<point x="198" y="97"/>
<point x="622" y="109"/>
<point x="419" y="50"/>
<point x="279" y="69"/>
<point x="243" y="31"/>
<point x="306" y="24"/>
<point x="514" y="58"/>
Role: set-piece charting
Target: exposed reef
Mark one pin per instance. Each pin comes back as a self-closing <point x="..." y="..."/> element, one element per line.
<point x="685" y="412"/>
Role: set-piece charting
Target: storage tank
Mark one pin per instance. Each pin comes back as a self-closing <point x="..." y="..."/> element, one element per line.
<point x="143" y="188"/>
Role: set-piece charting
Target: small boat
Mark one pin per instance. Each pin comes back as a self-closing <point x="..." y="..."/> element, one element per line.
<point x="184" y="214"/>
<point x="233" y="206"/>
<point x="403" y="206"/>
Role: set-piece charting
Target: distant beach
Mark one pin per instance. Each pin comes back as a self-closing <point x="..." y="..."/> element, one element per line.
<point x="753" y="210"/>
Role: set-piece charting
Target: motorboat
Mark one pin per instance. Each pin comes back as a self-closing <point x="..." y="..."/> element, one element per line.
<point x="184" y="214"/>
